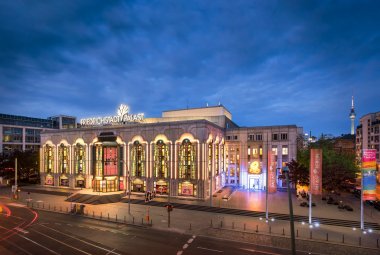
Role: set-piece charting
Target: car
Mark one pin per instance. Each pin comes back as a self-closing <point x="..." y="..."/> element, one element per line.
<point x="376" y="205"/>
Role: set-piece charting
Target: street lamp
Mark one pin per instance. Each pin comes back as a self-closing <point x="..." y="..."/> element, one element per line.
<point x="285" y="170"/>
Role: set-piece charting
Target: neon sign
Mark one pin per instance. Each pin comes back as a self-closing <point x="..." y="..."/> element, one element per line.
<point x="122" y="117"/>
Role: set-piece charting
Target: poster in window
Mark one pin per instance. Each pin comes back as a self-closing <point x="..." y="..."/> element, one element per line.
<point x="187" y="189"/>
<point x="110" y="161"/>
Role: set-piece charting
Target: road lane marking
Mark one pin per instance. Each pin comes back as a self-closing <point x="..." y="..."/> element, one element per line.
<point x="263" y="252"/>
<point x="207" y="249"/>
<point x="18" y="247"/>
<point x="39" y="244"/>
<point x="185" y="246"/>
<point x="190" y="240"/>
<point x="179" y="252"/>
<point x="77" y="238"/>
<point x="60" y="242"/>
<point x="21" y="230"/>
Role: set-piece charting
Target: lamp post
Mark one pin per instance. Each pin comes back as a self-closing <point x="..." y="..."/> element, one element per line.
<point x="285" y="169"/>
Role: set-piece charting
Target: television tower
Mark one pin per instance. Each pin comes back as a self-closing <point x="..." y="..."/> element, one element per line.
<point x="352" y="116"/>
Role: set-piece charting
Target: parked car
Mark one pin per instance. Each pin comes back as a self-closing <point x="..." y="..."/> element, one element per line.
<point x="376" y="205"/>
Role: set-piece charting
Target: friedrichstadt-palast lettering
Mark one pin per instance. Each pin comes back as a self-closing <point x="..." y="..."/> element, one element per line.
<point x="121" y="117"/>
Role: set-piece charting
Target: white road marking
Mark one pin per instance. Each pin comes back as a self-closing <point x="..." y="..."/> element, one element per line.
<point x="263" y="252"/>
<point x="39" y="244"/>
<point x="179" y="252"/>
<point x="18" y="247"/>
<point x="194" y="237"/>
<point x="185" y="246"/>
<point x="61" y="242"/>
<point x="83" y="241"/>
<point x="203" y="248"/>
<point x="21" y="230"/>
<point x="190" y="240"/>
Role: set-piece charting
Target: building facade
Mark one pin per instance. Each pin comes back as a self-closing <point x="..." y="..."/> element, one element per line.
<point x="190" y="152"/>
<point x="23" y="133"/>
<point x="368" y="135"/>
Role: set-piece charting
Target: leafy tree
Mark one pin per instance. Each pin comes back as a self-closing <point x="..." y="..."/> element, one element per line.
<point x="27" y="164"/>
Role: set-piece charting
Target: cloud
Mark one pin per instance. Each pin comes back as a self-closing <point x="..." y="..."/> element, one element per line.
<point x="271" y="62"/>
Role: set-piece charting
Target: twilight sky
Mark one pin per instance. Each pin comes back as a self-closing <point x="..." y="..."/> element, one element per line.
<point x="268" y="62"/>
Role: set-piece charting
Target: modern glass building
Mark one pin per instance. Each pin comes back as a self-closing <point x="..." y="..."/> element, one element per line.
<point x="23" y="133"/>
<point x="190" y="152"/>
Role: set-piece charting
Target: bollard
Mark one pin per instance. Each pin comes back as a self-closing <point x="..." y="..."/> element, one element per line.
<point x="283" y="231"/>
<point x="133" y="220"/>
<point x="101" y="215"/>
<point x="270" y="229"/>
<point x="108" y="216"/>
<point x="343" y="238"/>
<point x="93" y="214"/>
<point x="311" y="234"/>
<point x="67" y="209"/>
<point x="327" y="237"/>
<point x="244" y="226"/>
<point x="190" y="227"/>
<point x="233" y="225"/>
<point x="116" y="217"/>
<point x="297" y="232"/>
<point x="360" y="241"/>
<point x="221" y="224"/>
<point x="257" y="228"/>
<point x="60" y="208"/>
<point x="54" y="208"/>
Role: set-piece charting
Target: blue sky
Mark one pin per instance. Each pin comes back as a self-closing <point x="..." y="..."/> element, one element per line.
<point x="268" y="62"/>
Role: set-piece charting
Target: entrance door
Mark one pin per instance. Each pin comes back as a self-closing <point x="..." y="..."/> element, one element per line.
<point x="97" y="186"/>
<point x="254" y="183"/>
<point x="111" y="185"/>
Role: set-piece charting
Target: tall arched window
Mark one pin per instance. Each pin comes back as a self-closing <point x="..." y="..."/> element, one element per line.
<point x="49" y="159"/>
<point x="210" y="158"/>
<point x="186" y="161"/>
<point x="161" y="159"/>
<point x="216" y="154"/>
<point x="63" y="158"/>
<point x="138" y="160"/>
<point x="79" y="159"/>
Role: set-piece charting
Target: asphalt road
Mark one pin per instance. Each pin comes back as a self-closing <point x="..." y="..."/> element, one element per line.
<point x="24" y="231"/>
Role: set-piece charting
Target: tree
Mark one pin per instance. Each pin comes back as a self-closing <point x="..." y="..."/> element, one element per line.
<point x="27" y="164"/>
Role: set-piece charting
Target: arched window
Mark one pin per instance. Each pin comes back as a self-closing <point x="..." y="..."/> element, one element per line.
<point x="49" y="159"/>
<point x="79" y="159"/>
<point x="210" y="158"/>
<point x="186" y="161"/>
<point x="161" y="159"/>
<point x="63" y="159"/>
<point x="138" y="160"/>
<point x="216" y="154"/>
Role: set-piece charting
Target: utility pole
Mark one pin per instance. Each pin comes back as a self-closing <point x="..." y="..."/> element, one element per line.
<point x="293" y="241"/>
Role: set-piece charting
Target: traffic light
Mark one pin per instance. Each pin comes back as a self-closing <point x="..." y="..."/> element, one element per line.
<point x="169" y="207"/>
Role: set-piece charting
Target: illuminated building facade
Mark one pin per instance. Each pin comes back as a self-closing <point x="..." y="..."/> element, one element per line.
<point x="191" y="153"/>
